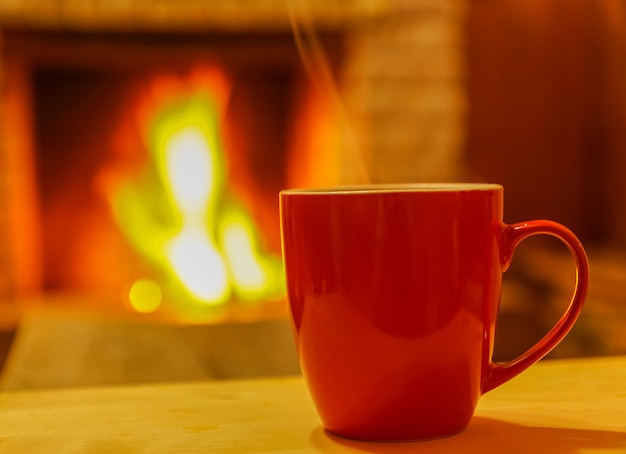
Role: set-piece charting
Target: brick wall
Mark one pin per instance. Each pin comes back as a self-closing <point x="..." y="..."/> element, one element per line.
<point x="403" y="86"/>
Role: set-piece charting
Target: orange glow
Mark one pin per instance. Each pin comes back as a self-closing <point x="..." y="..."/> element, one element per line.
<point x="316" y="146"/>
<point x="22" y="202"/>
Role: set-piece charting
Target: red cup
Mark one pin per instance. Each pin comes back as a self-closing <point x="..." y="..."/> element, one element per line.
<point x="394" y="294"/>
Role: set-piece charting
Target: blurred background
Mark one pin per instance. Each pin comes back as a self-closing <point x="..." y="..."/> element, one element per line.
<point x="143" y="145"/>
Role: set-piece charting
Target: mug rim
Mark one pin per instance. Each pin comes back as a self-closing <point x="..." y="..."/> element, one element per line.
<point x="378" y="188"/>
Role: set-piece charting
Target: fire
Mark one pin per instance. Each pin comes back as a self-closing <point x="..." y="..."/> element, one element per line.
<point x="188" y="159"/>
<point x="179" y="211"/>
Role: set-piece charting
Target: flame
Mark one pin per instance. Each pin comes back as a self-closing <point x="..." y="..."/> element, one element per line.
<point x="180" y="213"/>
<point x="188" y="161"/>
<point x="253" y="273"/>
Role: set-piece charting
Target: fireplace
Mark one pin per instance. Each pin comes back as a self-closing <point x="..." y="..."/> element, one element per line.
<point x="94" y="102"/>
<point x="323" y="103"/>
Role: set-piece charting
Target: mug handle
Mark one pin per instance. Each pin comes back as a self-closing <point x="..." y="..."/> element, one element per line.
<point x="498" y="373"/>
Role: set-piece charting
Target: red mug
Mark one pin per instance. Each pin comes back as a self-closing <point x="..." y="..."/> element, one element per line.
<point x="394" y="294"/>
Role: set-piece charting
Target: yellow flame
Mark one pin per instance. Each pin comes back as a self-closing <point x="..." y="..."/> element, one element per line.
<point x="192" y="253"/>
<point x="181" y="214"/>
<point x="244" y="264"/>
<point x="189" y="170"/>
<point x="253" y="274"/>
<point x="198" y="265"/>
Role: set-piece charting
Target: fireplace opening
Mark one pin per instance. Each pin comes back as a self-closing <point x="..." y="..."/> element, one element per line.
<point x="108" y="215"/>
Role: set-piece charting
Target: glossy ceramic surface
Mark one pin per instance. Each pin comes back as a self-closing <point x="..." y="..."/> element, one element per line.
<point x="394" y="296"/>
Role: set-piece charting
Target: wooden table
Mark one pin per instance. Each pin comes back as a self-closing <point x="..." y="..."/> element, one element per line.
<point x="558" y="406"/>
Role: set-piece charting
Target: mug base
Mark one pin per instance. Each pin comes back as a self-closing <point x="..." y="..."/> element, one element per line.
<point x="391" y="439"/>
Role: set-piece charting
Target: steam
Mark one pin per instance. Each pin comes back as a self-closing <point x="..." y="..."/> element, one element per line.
<point x="318" y="69"/>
